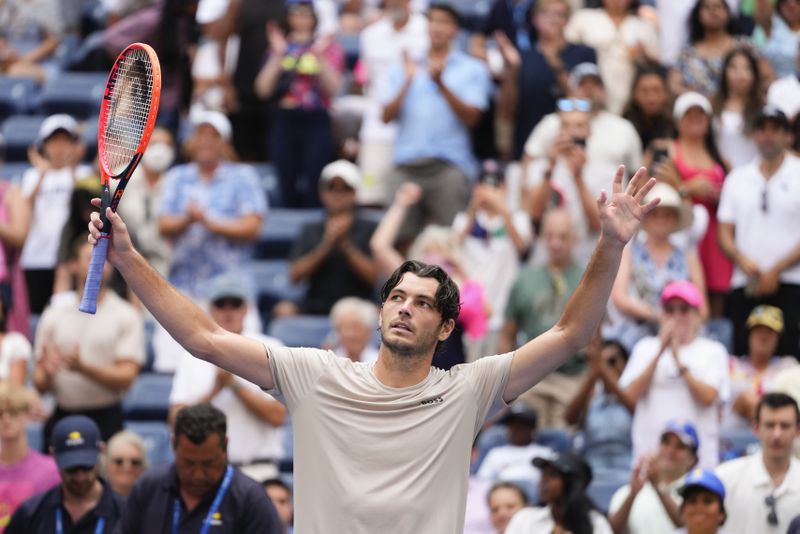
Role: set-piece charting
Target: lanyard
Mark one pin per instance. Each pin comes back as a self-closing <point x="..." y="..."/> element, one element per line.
<point x="223" y="488"/>
<point x="98" y="528"/>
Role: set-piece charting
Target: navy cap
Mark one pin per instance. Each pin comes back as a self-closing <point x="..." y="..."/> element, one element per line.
<point x="703" y="478"/>
<point x="76" y="442"/>
<point x="569" y="464"/>
<point x="519" y="411"/>
<point x="772" y="113"/>
<point x="685" y="431"/>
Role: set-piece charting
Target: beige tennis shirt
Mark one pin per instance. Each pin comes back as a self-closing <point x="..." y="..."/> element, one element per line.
<point x="371" y="459"/>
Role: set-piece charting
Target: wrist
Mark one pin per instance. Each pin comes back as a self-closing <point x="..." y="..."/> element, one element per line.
<point x="235" y="386"/>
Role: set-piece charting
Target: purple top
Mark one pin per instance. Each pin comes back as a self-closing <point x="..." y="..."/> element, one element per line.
<point x="34" y="474"/>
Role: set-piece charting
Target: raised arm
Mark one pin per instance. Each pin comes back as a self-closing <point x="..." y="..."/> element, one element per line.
<point x="386" y="257"/>
<point x="185" y="322"/>
<point x="620" y="218"/>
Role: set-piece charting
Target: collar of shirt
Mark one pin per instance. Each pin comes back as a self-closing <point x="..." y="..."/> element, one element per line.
<point x="760" y="478"/>
<point x="104" y="508"/>
<point x="172" y="486"/>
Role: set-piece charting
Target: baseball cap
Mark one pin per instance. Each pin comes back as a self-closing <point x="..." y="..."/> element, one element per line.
<point x="670" y="198"/>
<point x="690" y="100"/>
<point x="768" y="316"/>
<point x="215" y="119"/>
<point x="211" y="10"/>
<point x="226" y="285"/>
<point x="684" y="290"/>
<point x="55" y="123"/>
<point x="703" y="478"/>
<point x="685" y="431"/>
<point x="772" y="113"/>
<point x="520" y="411"/>
<point x="584" y="70"/>
<point x="343" y="169"/>
<point x="568" y="464"/>
<point x="76" y="442"/>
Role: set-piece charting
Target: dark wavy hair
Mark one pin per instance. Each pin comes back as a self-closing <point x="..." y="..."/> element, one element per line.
<point x="198" y="422"/>
<point x="574" y="506"/>
<point x="696" y="30"/>
<point x="447" y="300"/>
<point x="649" y="127"/>
<point x="711" y="145"/>
<point x="755" y="98"/>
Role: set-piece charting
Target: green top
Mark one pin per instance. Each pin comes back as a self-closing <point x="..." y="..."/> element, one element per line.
<point x="538" y="298"/>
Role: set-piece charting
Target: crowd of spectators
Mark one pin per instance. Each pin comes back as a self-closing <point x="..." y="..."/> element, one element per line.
<point x="474" y="137"/>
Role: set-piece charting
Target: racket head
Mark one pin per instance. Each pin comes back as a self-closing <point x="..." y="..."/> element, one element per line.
<point x="129" y="109"/>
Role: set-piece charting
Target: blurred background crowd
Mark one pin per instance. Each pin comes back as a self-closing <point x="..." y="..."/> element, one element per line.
<point x="305" y="149"/>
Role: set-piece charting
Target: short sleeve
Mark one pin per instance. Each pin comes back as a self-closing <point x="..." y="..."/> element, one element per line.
<point x="391" y="85"/>
<point x="726" y="210"/>
<point x="476" y="87"/>
<point x="522" y="224"/>
<point x="44" y="331"/>
<point x="170" y="201"/>
<point x="29" y="180"/>
<point x="295" y="371"/>
<point x="543" y="136"/>
<point x="251" y="199"/>
<point x="130" y="343"/>
<point x="513" y="306"/>
<point x="643" y="353"/>
<point x="619" y="497"/>
<point x="185" y="390"/>
<point x="17" y="346"/>
<point x="488" y="378"/>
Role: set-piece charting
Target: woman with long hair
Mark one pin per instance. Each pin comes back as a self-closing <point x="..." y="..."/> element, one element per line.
<point x="649" y="108"/>
<point x="696" y="169"/>
<point x="566" y="506"/>
<point x="777" y="32"/>
<point x="712" y="34"/>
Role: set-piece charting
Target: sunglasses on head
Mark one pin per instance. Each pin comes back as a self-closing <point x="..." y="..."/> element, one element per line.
<point x="574" y="104"/>
<point x="228" y="302"/>
<point x="134" y="462"/>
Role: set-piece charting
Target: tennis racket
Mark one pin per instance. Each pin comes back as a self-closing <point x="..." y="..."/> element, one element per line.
<point x="127" y="117"/>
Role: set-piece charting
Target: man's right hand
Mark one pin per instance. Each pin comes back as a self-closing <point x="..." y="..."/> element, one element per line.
<point x="408" y="194"/>
<point x="748" y="266"/>
<point x="337" y="226"/>
<point x="121" y="243"/>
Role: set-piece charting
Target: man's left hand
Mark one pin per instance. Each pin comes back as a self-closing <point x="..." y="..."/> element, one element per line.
<point x="435" y="70"/>
<point x="768" y="283"/>
<point x="622" y="214"/>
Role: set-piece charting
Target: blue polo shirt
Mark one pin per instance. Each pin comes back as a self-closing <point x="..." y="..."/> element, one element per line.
<point x="245" y="508"/>
<point x="427" y="125"/>
<point x="38" y="514"/>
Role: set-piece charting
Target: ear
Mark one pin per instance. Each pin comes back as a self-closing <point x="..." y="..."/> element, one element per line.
<point x="446" y="329"/>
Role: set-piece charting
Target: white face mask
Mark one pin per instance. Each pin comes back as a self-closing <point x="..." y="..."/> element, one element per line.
<point x="158" y="157"/>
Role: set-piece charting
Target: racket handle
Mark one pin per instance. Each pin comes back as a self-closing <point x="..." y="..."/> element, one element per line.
<point x="95" y="276"/>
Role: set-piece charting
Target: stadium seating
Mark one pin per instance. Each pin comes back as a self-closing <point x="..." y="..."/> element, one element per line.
<point x="16" y="95"/>
<point x="148" y="398"/>
<point x="601" y="492"/>
<point x="300" y="330"/>
<point x="273" y="285"/>
<point x="76" y="93"/>
<point x="157" y="440"/>
<point x="280" y="229"/>
<point x="13" y="170"/>
<point x="20" y="132"/>
<point x="733" y="444"/>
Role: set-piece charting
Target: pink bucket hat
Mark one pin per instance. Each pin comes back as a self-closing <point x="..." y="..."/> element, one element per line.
<point x="684" y="290"/>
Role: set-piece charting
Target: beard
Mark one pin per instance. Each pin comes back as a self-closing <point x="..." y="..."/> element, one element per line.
<point x="408" y="349"/>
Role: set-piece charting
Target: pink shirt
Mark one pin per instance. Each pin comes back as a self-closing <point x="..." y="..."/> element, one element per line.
<point x="34" y="474"/>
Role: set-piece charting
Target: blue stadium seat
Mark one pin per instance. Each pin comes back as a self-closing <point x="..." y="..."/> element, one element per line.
<point x="76" y="93"/>
<point x="301" y="330"/>
<point x="35" y="432"/>
<point x="280" y="229"/>
<point x="20" y="132"/>
<point x="720" y="329"/>
<point x="558" y="440"/>
<point x="13" y="171"/>
<point x="16" y="95"/>
<point x="350" y="43"/>
<point x="268" y="177"/>
<point x="734" y="444"/>
<point x="601" y="492"/>
<point x="148" y="398"/>
<point x="273" y="285"/>
<point x="157" y="440"/>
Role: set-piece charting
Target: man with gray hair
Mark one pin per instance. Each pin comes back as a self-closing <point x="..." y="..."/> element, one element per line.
<point x="354" y="321"/>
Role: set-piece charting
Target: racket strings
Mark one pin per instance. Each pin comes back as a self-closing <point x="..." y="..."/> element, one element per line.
<point x="128" y="110"/>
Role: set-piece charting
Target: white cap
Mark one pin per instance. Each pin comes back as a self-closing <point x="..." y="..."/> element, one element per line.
<point x="689" y="100"/>
<point x="53" y="123"/>
<point x="670" y="198"/>
<point x="215" y="119"/>
<point x="211" y="10"/>
<point x="343" y="169"/>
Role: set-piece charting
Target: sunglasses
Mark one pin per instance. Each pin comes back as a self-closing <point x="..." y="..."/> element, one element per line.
<point x="134" y="462"/>
<point x="772" y="517"/>
<point x="228" y="302"/>
<point x="764" y="204"/>
<point x="683" y="310"/>
<point x="574" y="104"/>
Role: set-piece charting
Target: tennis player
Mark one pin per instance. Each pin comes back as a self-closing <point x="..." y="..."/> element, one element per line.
<point x="384" y="447"/>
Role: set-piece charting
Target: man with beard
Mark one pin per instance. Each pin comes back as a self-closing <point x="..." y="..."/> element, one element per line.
<point x="83" y="502"/>
<point x="385" y="446"/>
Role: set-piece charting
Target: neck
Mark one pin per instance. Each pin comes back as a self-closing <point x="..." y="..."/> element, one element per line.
<point x="692" y="141"/>
<point x="13" y="450"/>
<point x="760" y="361"/>
<point x="558" y="266"/>
<point x="439" y="51"/>
<point x="551" y="41"/>
<point x="85" y="502"/>
<point x="770" y="166"/>
<point x="151" y="176"/>
<point x="776" y="466"/>
<point x="715" y="37"/>
<point x="401" y="371"/>
<point x="668" y="477"/>
<point x="658" y="242"/>
<point x="399" y="23"/>
<point x="301" y="37"/>
<point x="207" y="169"/>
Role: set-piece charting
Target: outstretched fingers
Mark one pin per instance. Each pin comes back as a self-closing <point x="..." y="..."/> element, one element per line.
<point x="650" y="206"/>
<point x="642" y="192"/>
<point x="617" y="187"/>
<point x="635" y="183"/>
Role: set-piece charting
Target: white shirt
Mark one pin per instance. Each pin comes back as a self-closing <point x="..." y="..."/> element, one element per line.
<point x="594" y="28"/>
<point x="647" y="515"/>
<point x="249" y="438"/>
<point x="14" y="347"/>
<point x="763" y="236"/>
<point x="540" y="520"/>
<point x="613" y="140"/>
<point x="510" y="462"/>
<point x="785" y="94"/>
<point x="381" y="46"/>
<point x="669" y="397"/>
<point x="50" y="213"/>
<point x="747" y="484"/>
<point x="494" y="261"/>
<point x="734" y="144"/>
